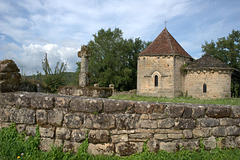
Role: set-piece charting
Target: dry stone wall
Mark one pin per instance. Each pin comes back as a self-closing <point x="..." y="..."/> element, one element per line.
<point x="118" y="126"/>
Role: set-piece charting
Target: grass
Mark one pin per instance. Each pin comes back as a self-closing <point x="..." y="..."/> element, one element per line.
<point x="227" y="101"/>
<point x="15" y="146"/>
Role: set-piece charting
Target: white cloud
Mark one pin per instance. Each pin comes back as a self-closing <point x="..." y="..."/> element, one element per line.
<point x="29" y="57"/>
<point x="61" y="27"/>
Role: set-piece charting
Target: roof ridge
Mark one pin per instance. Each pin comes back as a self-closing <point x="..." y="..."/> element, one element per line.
<point x="164" y="44"/>
<point x="169" y="39"/>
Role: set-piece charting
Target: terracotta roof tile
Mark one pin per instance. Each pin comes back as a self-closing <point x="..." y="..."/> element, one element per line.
<point x="164" y="44"/>
<point x="207" y="62"/>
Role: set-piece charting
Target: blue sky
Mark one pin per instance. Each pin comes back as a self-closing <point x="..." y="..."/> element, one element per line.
<point x="31" y="28"/>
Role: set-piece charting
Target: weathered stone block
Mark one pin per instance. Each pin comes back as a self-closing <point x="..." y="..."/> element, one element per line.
<point x="101" y="149"/>
<point x="112" y="105"/>
<point x="185" y="124"/>
<point x="63" y="133"/>
<point x="71" y="146"/>
<point x="166" y="123"/>
<point x="233" y="131"/>
<point x="98" y="136"/>
<point x="140" y="136"/>
<point x="208" y="122"/>
<point x="189" y="144"/>
<point x="31" y="130"/>
<point x="86" y="105"/>
<point x="218" y="111"/>
<point x="48" y="101"/>
<point x="73" y="120"/>
<point x="187" y="112"/>
<point x="62" y="101"/>
<point x="119" y="138"/>
<point x="21" y="127"/>
<point x="168" y="146"/>
<point x="45" y="144"/>
<point x="210" y="143"/>
<point x="55" y="117"/>
<point x="79" y="135"/>
<point x="128" y="148"/>
<point x="148" y="124"/>
<point x="47" y="132"/>
<point x="58" y="142"/>
<point x="219" y="131"/>
<point x="101" y="121"/>
<point x="175" y="136"/>
<point x="143" y="107"/>
<point x="228" y="142"/>
<point x="113" y="132"/>
<point x="4" y="115"/>
<point x="127" y="121"/>
<point x="165" y="131"/>
<point x="41" y="116"/>
<point x="153" y="145"/>
<point x="203" y="132"/>
<point x="187" y="134"/>
<point x="161" y="136"/>
<point x="155" y="116"/>
<point x="24" y="99"/>
<point x="158" y="107"/>
<point x="235" y="111"/>
<point x="8" y="66"/>
<point x="175" y="111"/>
<point x="37" y="101"/>
<point x="198" y="112"/>
<point x="22" y="115"/>
<point x="227" y="122"/>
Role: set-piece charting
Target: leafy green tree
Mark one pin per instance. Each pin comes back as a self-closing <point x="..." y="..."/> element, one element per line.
<point x="53" y="79"/>
<point x="227" y="49"/>
<point x="114" y="59"/>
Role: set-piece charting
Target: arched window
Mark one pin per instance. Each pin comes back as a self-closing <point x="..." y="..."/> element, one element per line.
<point x="204" y="88"/>
<point x="156" y="81"/>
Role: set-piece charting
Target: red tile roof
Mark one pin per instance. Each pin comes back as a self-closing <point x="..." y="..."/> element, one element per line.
<point x="164" y="44"/>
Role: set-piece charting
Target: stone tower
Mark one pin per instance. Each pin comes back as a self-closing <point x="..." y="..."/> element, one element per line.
<point x="84" y="54"/>
<point x="159" y="67"/>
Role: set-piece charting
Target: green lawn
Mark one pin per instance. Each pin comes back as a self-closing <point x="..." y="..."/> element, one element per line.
<point x="227" y="101"/>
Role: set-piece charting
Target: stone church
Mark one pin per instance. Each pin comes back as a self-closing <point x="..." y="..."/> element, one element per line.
<point x="165" y="69"/>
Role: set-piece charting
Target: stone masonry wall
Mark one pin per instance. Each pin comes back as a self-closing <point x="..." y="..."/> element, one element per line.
<point x="218" y="84"/>
<point x="148" y="67"/>
<point x="118" y="126"/>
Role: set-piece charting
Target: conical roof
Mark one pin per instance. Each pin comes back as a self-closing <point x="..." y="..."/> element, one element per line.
<point x="207" y="62"/>
<point x="164" y="44"/>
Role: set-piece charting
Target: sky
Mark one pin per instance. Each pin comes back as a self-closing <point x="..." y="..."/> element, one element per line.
<point x="31" y="28"/>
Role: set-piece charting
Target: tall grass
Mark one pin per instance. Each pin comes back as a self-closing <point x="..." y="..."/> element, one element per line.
<point x="226" y="101"/>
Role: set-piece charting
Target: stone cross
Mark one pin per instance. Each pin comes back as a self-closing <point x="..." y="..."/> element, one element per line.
<point x="84" y="54"/>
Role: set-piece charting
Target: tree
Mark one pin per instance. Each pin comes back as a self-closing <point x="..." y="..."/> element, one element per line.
<point x="228" y="51"/>
<point x="114" y="59"/>
<point x="53" y="79"/>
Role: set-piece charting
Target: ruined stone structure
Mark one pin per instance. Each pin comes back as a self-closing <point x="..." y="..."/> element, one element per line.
<point x="118" y="126"/>
<point x="84" y="89"/>
<point x="84" y="54"/>
<point x="9" y="76"/>
<point x="161" y="72"/>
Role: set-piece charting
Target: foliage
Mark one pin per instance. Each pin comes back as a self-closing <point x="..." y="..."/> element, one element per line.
<point x="227" y="101"/>
<point x="53" y="79"/>
<point x="114" y="59"/>
<point x="228" y="51"/>
<point x="14" y="146"/>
